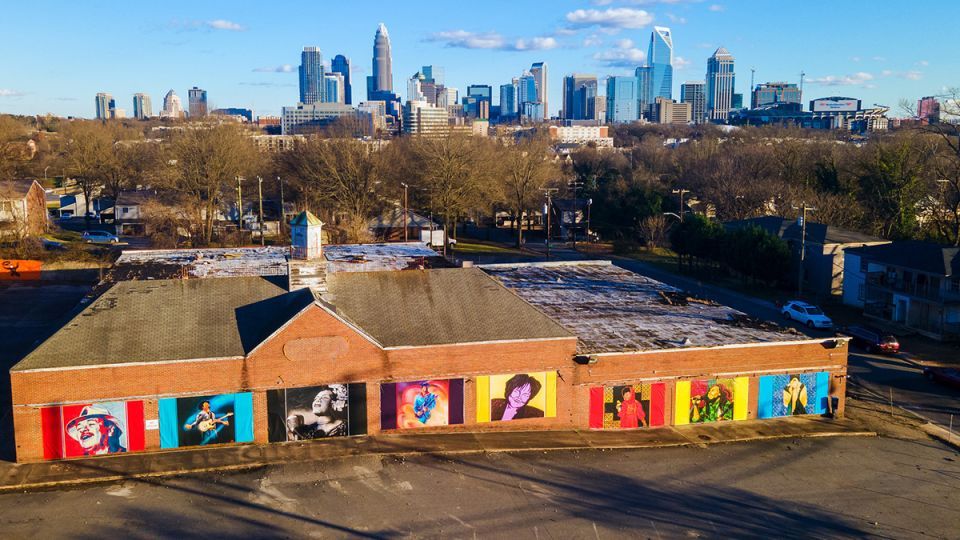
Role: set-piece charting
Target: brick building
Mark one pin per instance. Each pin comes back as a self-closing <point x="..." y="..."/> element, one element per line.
<point x="162" y="364"/>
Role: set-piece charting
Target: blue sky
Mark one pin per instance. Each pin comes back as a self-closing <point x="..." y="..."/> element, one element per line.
<point x="58" y="55"/>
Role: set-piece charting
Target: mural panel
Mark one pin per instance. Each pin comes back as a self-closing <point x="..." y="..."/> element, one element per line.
<point x="627" y="406"/>
<point x="204" y="420"/>
<point x="793" y="394"/>
<point x="92" y="429"/>
<point x="317" y="412"/>
<point x="418" y="404"/>
<point x="517" y="396"/>
<point x="711" y="400"/>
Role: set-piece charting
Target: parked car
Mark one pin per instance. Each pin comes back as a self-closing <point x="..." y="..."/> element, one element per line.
<point x="872" y="339"/>
<point x="943" y="375"/>
<point x="100" y="237"/>
<point x="807" y="314"/>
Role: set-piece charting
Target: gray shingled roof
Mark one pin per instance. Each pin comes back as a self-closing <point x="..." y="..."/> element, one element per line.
<point x="435" y="307"/>
<point x="165" y="320"/>
<point x="928" y="257"/>
<point x="789" y="229"/>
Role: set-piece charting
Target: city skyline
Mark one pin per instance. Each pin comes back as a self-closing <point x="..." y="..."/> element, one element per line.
<point x="246" y="57"/>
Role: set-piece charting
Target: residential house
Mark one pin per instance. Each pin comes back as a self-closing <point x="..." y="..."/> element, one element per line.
<point x="388" y="226"/>
<point x="823" y="259"/>
<point x="912" y="284"/>
<point x="23" y="209"/>
<point x="128" y="212"/>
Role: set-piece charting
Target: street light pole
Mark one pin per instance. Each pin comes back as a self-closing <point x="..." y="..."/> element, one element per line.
<point x="260" y="192"/>
<point x="239" y="204"/>
<point x="405" y="228"/>
<point x="803" y="244"/>
<point x="549" y="192"/>
<point x="681" y="192"/>
<point x="283" y="215"/>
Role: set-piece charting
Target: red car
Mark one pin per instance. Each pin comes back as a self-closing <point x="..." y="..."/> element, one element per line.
<point x="872" y="339"/>
<point x="943" y="375"/>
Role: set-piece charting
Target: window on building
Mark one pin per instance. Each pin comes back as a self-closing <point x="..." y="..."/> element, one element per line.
<point x="6" y="206"/>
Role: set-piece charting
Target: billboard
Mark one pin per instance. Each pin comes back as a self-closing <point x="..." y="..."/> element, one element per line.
<point x="205" y="420"/>
<point x="835" y="105"/>
<point x="316" y="412"/>
<point x="418" y="404"/>
<point x="92" y="429"/>
<point x="516" y="396"/>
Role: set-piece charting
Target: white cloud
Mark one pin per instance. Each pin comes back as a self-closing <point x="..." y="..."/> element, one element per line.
<point x="887" y="72"/>
<point x="716" y="8"/>
<point x="223" y="24"/>
<point x="923" y="63"/>
<point x="625" y="44"/>
<point x="675" y="19"/>
<point x="610" y="18"/>
<point x="855" y="59"/>
<point x="630" y="58"/>
<point x="857" y="79"/>
<point x="680" y="62"/>
<point x="879" y="58"/>
<point x="285" y="68"/>
<point x="492" y="41"/>
<point x="592" y="40"/>
<point x="7" y="92"/>
<point x="912" y="75"/>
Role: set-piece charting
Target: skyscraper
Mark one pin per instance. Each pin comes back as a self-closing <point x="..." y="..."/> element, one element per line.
<point x="621" y="100"/>
<point x="341" y="65"/>
<point x="333" y="88"/>
<point x="693" y="92"/>
<point x="541" y="77"/>
<point x="509" y="106"/>
<point x="720" y="84"/>
<point x="142" y="108"/>
<point x="928" y="110"/>
<point x="660" y="60"/>
<point x="381" y="79"/>
<point x="102" y="102"/>
<point x="772" y="93"/>
<point x="415" y="87"/>
<point x="311" y="75"/>
<point x="645" y="91"/>
<point x="579" y="90"/>
<point x="433" y="74"/>
<point x="197" y="99"/>
<point x="172" y="107"/>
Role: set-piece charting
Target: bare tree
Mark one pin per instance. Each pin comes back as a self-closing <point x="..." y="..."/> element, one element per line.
<point x="653" y="229"/>
<point x="526" y="170"/>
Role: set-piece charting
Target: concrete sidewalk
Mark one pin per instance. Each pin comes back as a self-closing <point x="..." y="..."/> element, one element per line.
<point x="29" y="476"/>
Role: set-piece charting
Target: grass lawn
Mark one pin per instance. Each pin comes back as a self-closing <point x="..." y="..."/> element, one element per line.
<point x="481" y="248"/>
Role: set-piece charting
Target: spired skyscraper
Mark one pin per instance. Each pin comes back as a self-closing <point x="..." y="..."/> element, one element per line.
<point x="341" y="65"/>
<point x="720" y="84"/>
<point x="660" y="60"/>
<point x="382" y="78"/>
<point x="311" y="75"/>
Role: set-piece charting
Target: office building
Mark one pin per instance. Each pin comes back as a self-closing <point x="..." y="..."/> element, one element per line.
<point x="694" y="93"/>
<point x="476" y="104"/>
<point x="245" y="115"/>
<point x="197" y="99"/>
<point x="541" y="79"/>
<point x="581" y="135"/>
<point x="772" y="93"/>
<point x="314" y="117"/>
<point x="579" y="90"/>
<point x="671" y="112"/>
<point x="509" y="108"/>
<point x="737" y="102"/>
<point x="434" y="74"/>
<point x="311" y="75"/>
<point x="421" y="118"/>
<point x="448" y="97"/>
<point x="172" y="107"/>
<point x="660" y="60"/>
<point x="341" y="65"/>
<point x="644" y="76"/>
<point x="621" y="100"/>
<point x="102" y="102"/>
<point x="381" y="79"/>
<point x="928" y="110"/>
<point x="719" y="85"/>
<point x="333" y="88"/>
<point x="533" y="112"/>
<point x="415" y="87"/>
<point x="142" y="108"/>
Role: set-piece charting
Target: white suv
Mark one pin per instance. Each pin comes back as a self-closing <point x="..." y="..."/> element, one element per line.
<point x="807" y="314"/>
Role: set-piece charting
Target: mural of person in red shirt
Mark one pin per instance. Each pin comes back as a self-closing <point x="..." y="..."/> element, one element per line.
<point x="630" y="411"/>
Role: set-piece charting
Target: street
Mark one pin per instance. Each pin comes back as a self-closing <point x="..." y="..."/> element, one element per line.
<point x="781" y="489"/>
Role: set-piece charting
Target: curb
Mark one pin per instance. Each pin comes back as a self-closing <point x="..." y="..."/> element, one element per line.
<point x="942" y="435"/>
<point x="688" y="442"/>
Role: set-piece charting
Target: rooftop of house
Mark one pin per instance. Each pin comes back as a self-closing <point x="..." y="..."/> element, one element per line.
<point x="393" y="219"/>
<point x="819" y="233"/>
<point x="928" y="257"/>
<point x="436" y="307"/>
<point x="614" y="310"/>
<point x="169" y="320"/>
<point x="15" y="189"/>
<point x="135" y="198"/>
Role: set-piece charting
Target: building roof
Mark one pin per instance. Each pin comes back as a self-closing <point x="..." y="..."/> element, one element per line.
<point x="436" y="307"/>
<point x="306" y="218"/>
<point x="927" y="257"/>
<point x="612" y="310"/>
<point x="393" y="219"/>
<point x="15" y="189"/>
<point x="819" y="233"/>
<point x="169" y="320"/>
<point x="135" y="198"/>
<point x="383" y="256"/>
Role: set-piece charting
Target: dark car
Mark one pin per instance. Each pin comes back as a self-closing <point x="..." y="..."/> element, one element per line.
<point x="943" y="375"/>
<point x="872" y="339"/>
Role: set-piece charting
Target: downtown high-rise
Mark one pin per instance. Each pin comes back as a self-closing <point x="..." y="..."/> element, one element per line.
<point x="381" y="79"/>
<point x="197" y="102"/>
<point x="660" y="60"/>
<point x="541" y="78"/>
<point x="694" y="93"/>
<point x="720" y="85"/>
<point x="341" y="65"/>
<point x="102" y="102"/>
<point x="621" y="105"/>
<point x="579" y="91"/>
<point x="142" y="108"/>
<point x="311" y="75"/>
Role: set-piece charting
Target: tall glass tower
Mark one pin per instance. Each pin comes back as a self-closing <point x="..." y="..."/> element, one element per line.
<point x="660" y="60"/>
<point x="311" y="75"/>
<point x="341" y="65"/>
<point x="541" y="77"/>
<point x="720" y="84"/>
<point x="382" y="78"/>
<point x="622" y="100"/>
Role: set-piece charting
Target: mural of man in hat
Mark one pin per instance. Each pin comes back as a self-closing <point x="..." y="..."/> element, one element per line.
<point x="96" y="431"/>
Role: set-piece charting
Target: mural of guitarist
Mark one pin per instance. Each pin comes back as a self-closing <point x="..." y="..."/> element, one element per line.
<point x="209" y="425"/>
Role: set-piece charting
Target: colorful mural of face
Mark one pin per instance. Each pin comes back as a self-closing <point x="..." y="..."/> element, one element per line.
<point x="516" y="396"/>
<point x="711" y="400"/>
<point x="627" y="406"/>
<point x="206" y="420"/>
<point x="92" y="429"/>
<point x="418" y="404"/>
<point x="316" y="412"/>
<point x="793" y="394"/>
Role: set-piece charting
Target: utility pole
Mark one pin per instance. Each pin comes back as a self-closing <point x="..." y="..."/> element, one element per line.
<point x="283" y="215"/>
<point x="681" y="192"/>
<point x="549" y="207"/>
<point x="803" y="244"/>
<point x="260" y="192"/>
<point x="573" y="229"/>
<point x="239" y="204"/>
<point x="405" y="231"/>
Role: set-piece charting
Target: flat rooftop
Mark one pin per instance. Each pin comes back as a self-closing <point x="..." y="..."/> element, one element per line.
<point x="613" y="310"/>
